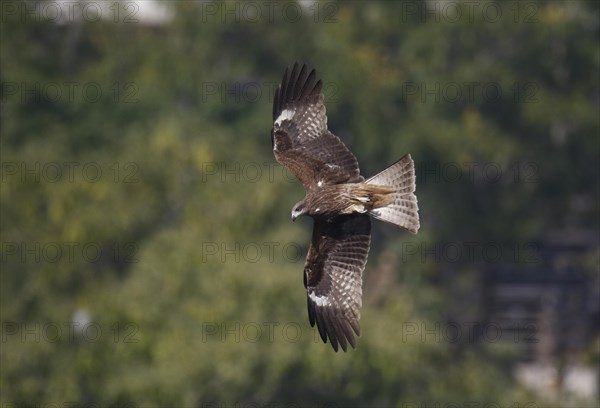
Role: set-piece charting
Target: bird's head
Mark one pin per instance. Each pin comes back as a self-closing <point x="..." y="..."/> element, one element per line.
<point x="298" y="210"/>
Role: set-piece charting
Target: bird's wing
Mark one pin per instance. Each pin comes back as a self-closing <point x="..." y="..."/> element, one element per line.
<point x="300" y="139"/>
<point x="333" y="276"/>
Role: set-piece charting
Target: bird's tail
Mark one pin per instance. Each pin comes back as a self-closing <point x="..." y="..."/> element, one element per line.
<point x="403" y="211"/>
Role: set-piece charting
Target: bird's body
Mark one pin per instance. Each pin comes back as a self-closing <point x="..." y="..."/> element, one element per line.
<point x="340" y="201"/>
<point x="332" y="200"/>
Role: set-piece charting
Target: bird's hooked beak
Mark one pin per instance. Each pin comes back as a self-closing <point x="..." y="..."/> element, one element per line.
<point x="295" y="214"/>
<point x="298" y="210"/>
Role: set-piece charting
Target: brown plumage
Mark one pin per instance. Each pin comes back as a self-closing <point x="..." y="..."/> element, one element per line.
<point x="336" y="199"/>
<point x="339" y="200"/>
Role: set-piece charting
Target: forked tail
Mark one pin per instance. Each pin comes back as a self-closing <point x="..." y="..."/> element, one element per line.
<point x="403" y="211"/>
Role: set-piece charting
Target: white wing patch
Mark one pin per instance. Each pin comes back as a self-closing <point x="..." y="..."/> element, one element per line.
<point x="285" y="114"/>
<point x="319" y="300"/>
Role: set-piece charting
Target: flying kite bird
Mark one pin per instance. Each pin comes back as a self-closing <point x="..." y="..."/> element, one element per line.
<point x="339" y="200"/>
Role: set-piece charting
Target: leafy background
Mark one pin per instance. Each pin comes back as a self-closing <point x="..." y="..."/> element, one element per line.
<point x="174" y="277"/>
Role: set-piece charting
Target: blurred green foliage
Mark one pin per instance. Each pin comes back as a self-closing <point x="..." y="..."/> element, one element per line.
<point x="188" y="306"/>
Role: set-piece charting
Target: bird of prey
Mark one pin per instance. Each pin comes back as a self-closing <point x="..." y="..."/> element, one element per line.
<point x="339" y="200"/>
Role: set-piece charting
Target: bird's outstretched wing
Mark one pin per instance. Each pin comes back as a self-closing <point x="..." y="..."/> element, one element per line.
<point x="300" y="139"/>
<point x="333" y="276"/>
